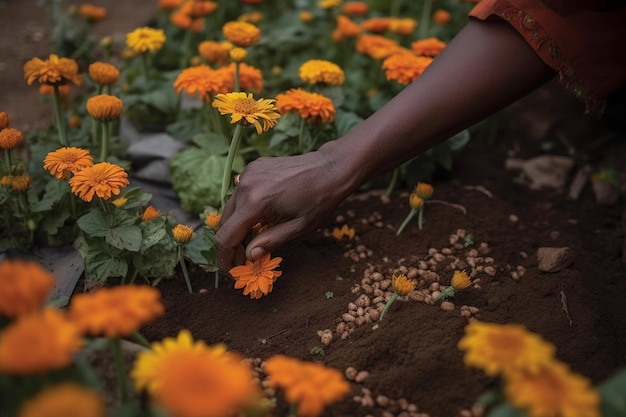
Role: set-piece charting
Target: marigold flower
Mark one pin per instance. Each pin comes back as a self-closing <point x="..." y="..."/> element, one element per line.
<point x="105" y="107"/>
<point x="24" y="287"/>
<point x="119" y="202"/>
<point x="4" y="120"/>
<point x="65" y="160"/>
<point x="238" y="54"/>
<point x="403" y="27"/>
<point x="257" y="278"/>
<point x="21" y="183"/>
<point x="215" y="52"/>
<point x="201" y="80"/>
<point x="376" y="47"/>
<point x="181" y="19"/>
<point x="319" y="71"/>
<point x="311" y="386"/>
<point x="10" y="138"/>
<point x="202" y="8"/>
<point x="344" y="231"/>
<point x="150" y="213"/>
<point x="423" y="190"/>
<point x="74" y="122"/>
<point x="145" y="39"/>
<point x="355" y="8"/>
<point x="117" y="311"/>
<point x="553" y="391"/>
<point x="182" y="233"/>
<point x="191" y="379"/>
<point x="92" y="13"/>
<point x="428" y="47"/>
<point x="103" y="179"/>
<point x="306" y="16"/>
<point x="212" y="219"/>
<point x="329" y="4"/>
<point x="348" y="28"/>
<point x="104" y="73"/>
<point x="48" y="90"/>
<point x="415" y="201"/>
<point x="377" y="24"/>
<point x="441" y="17"/>
<point x="64" y="399"/>
<point x="402" y="285"/>
<point x="504" y="349"/>
<point x="38" y="342"/>
<point x="169" y="4"/>
<point x="241" y="33"/>
<point x="7" y="181"/>
<point x="460" y="280"/>
<point x="250" y="78"/>
<point x="252" y="17"/>
<point x="245" y="110"/>
<point x="53" y="71"/>
<point x="405" y="67"/>
<point x="313" y="106"/>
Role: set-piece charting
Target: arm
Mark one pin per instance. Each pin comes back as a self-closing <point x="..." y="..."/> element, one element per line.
<point x="486" y="67"/>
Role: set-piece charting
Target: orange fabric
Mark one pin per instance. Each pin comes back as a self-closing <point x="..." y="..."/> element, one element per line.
<point x="583" y="40"/>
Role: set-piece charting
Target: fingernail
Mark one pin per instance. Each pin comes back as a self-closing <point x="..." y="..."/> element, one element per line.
<point x="256" y="253"/>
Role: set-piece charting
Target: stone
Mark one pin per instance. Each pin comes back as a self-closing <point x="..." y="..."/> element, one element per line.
<point x="606" y="193"/>
<point x="548" y="171"/>
<point x="554" y="259"/>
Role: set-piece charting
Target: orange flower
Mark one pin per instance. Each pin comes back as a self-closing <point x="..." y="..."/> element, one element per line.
<point x="238" y="54"/>
<point x="415" y="201"/>
<point x="10" y="138"/>
<point x="119" y="202"/>
<point x="65" y="160"/>
<point x="405" y="67"/>
<point x="24" y="287"/>
<point x="64" y="399"/>
<point x="252" y="17"/>
<point x="424" y="190"/>
<point x="4" y="120"/>
<point x="182" y="233"/>
<point x="355" y="8"/>
<point x="402" y="285"/>
<point x="7" y="181"/>
<point x="403" y="27"/>
<point x="311" y="386"/>
<point x="306" y="16"/>
<point x="92" y="13"/>
<point x="74" y="122"/>
<point x="145" y="39"/>
<point x="38" y="342"/>
<point x="150" y="213"/>
<point x="376" y="46"/>
<point x="105" y="107"/>
<point x="377" y="24"/>
<point x="460" y="280"/>
<point x="201" y="8"/>
<point x="441" y="17"/>
<point x="201" y="80"/>
<point x="428" y="47"/>
<point x="313" y="106"/>
<point x="214" y="52"/>
<point x="319" y="71"/>
<point x="104" y="73"/>
<point x="181" y="19"/>
<point x="103" y="179"/>
<point x="53" y="71"/>
<point x="250" y="78"/>
<point x="328" y="4"/>
<point x="117" y="311"/>
<point x="241" y="33"/>
<point x="169" y="4"/>
<point x="212" y="219"/>
<point x="257" y="278"/>
<point x="344" y="231"/>
<point x="21" y="183"/>
<point x="48" y="90"/>
<point x="347" y="28"/>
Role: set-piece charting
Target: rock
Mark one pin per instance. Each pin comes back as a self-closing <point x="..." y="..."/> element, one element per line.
<point x="548" y="171"/>
<point x="554" y="259"/>
<point x="578" y="183"/>
<point x="154" y="146"/>
<point x="606" y="194"/>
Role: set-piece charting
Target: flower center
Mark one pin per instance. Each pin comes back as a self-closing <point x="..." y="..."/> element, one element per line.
<point x="245" y="106"/>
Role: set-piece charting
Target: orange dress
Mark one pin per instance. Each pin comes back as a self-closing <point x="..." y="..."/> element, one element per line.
<point x="583" y="40"/>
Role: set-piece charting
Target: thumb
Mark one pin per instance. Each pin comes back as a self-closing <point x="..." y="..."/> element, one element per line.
<point x="274" y="237"/>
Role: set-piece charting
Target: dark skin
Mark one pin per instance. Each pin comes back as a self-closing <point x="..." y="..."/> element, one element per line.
<point x="486" y="67"/>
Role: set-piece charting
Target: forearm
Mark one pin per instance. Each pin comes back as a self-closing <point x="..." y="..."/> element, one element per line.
<point x="486" y="67"/>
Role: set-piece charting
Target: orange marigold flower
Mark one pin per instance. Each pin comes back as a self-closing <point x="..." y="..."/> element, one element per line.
<point x="424" y="190"/>
<point x="460" y="280"/>
<point x="65" y="160"/>
<point x="38" y="342"/>
<point x="441" y="17"/>
<point x="145" y="39"/>
<point x="7" y="181"/>
<point x="306" y="16"/>
<point x="376" y="46"/>
<point x="344" y="231"/>
<point x="182" y="233"/>
<point x="311" y="386"/>
<point x="48" y="90"/>
<point x="191" y="379"/>
<point x="10" y="138"/>
<point x="348" y="28"/>
<point x="405" y="67"/>
<point x="319" y="71"/>
<point x="212" y="219"/>
<point x="241" y="33"/>
<point x="252" y="17"/>
<point x="104" y="73"/>
<point x="415" y="201"/>
<point x="4" y="120"/>
<point x="215" y="52"/>
<point x="53" y="71"/>
<point x="181" y="19"/>
<point x="312" y="106"/>
<point x="117" y="311"/>
<point x="64" y="399"/>
<point x="238" y="54"/>
<point x="92" y="13"/>
<point x="197" y="24"/>
<point x="105" y="107"/>
<point x="403" y="27"/>
<point x="250" y="78"/>
<point x="355" y="8"/>
<point x="402" y="285"/>
<point x="202" y="8"/>
<point x="103" y="179"/>
<point x="246" y="111"/>
<point x="24" y="287"/>
<point x="328" y="4"/>
<point x="169" y="4"/>
<point x="21" y="183"/>
<point x="377" y="24"/>
<point x="428" y="47"/>
<point x="201" y="80"/>
<point x="150" y="213"/>
<point x="119" y="202"/>
<point x="257" y="278"/>
<point x="74" y="122"/>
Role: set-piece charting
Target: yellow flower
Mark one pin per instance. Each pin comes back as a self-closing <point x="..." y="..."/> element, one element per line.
<point x="504" y="349"/>
<point x="105" y="107"/>
<point x="150" y="213"/>
<point x="313" y="106"/>
<point x="182" y="233"/>
<point x="405" y="67"/>
<point x="241" y="33"/>
<point x="103" y="179"/>
<point x="252" y="17"/>
<point x="329" y="4"/>
<point x="212" y="219"/>
<point x="553" y="391"/>
<point x="191" y="379"/>
<point x="214" y="52"/>
<point x="344" y="231"/>
<point x="319" y="71"/>
<point x="104" y="73"/>
<point x="257" y="278"/>
<point x="65" y="160"/>
<point x="65" y="399"/>
<point x="245" y="110"/>
<point x="4" y="120"/>
<point x="306" y="16"/>
<point x="10" y="138"/>
<point x="145" y="39"/>
<point x="117" y="311"/>
<point x="119" y="202"/>
<point x="423" y="190"/>
<point x="311" y="386"/>
<point x="402" y="27"/>
<point x="376" y="47"/>
<point x="21" y="183"/>
<point x="460" y="280"/>
<point x="415" y="201"/>
<point x="428" y="47"/>
<point x="24" y="287"/>
<point x="201" y="80"/>
<point x="37" y="343"/>
<point x="402" y="285"/>
<point x="53" y="71"/>
<point x="238" y="54"/>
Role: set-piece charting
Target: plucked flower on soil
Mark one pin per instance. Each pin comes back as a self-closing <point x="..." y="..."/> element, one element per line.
<point x="257" y="278"/>
<point x="245" y="110"/>
<point x="64" y="160"/>
<point x="319" y="71"/>
<point x="145" y="39"/>
<point x="401" y="286"/>
<point x="460" y="281"/>
<point x="311" y="106"/>
<point x="24" y="287"/>
<point x="103" y="179"/>
<point x="52" y="71"/>
<point x="344" y="231"/>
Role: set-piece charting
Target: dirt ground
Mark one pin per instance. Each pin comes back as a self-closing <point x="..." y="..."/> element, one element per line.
<point x="412" y="353"/>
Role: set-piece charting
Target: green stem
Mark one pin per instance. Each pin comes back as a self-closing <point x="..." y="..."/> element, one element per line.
<point x="145" y="65"/>
<point x="420" y="217"/>
<point x="425" y="19"/>
<point x="394" y="10"/>
<point x="447" y="293"/>
<point x="134" y="277"/>
<point x="389" y="303"/>
<point x="301" y="136"/>
<point x="183" y="266"/>
<point x="237" y="76"/>
<point x="7" y="154"/>
<point x="393" y="182"/>
<point x="216" y="121"/>
<point x="139" y="338"/>
<point x="116" y="344"/>
<point x="94" y="133"/>
<point x="184" y="59"/>
<point x="58" y="116"/>
<point x="229" y="163"/>
<point x="293" y="410"/>
<point x="406" y="221"/>
<point x="217" y="278"/>
<point x="104" y="151"/>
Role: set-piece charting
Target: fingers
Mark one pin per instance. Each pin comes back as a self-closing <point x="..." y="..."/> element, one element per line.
<point x="274" y="237"/>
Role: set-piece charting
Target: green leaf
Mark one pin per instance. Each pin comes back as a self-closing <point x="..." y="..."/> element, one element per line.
<point x="201" y="250"/>
<point x="101" y="260"/>
<point x="95" y="224"/>
<point x="54" y="220"/>
<point x="125" y="238"/>
<point x="152" y="232"/>
<point x="613" y="395"/>
<point x="54" y="192"/>
<point x="505" y="410"/>
<point x="136" y="198"/>
<point x="346" y="121"/>
<point x="212" y="143"/>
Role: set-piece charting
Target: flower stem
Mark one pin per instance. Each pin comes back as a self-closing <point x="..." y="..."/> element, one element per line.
<point x="217" y="278"/>
<point x="447" y="293"/>
<point x="7" y="154"/>
<point x="237" y="76"/>
<point x="301" y="136"/>
<point x="139" y="338"/>
<point x="116" y="344"/>
<point x="58" y="116"/>
<point x="184" y="59"/>
<point x="183" y="266"/>
<point x="420" y="217"/>
<point x="104" y="151"/>
<point x="145" y="65"/>
<point x="293" y="410"/>
<point x="229" y="163"/>
<point x="425" y="19"/>
<point x="392" y="183"/>
<point x="389" y="303"/>
<point x="406" y="221"/>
